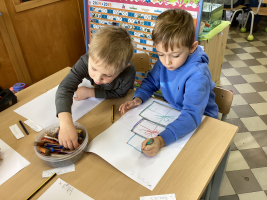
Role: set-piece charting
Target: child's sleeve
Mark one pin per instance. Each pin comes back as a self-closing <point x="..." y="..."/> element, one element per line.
<point x="196" y="97"/>
<point x="66" y="89"/>
<point x="149" y="84"/>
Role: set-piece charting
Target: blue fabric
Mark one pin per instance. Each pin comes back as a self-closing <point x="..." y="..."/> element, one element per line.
<point x="188" y="89"/>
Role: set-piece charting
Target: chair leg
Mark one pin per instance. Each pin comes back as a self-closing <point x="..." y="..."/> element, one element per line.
<point x="250" y="37"/>
<point x="242" y="17"/>
<point x="234" y="15"/>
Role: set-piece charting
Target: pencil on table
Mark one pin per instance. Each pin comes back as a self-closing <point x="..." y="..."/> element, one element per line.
<point x="41" y="186"/>
<point x="112" y="113"/>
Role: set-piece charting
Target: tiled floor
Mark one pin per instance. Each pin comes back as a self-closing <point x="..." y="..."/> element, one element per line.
<point x="244" y="72"/>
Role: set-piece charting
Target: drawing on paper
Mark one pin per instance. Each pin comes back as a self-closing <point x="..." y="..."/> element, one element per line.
<point x="160" y="114"/>
<point x="147" y="128"/>
<point x="136" y="142"/>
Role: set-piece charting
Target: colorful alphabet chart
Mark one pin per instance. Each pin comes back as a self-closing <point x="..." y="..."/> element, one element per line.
<point x="138" y="17"/>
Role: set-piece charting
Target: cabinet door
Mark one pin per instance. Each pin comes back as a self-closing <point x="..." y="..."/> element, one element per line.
<point x="8" y="76"/>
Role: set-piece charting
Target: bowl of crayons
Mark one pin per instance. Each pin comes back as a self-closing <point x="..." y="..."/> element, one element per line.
<point x="47" y="147"/>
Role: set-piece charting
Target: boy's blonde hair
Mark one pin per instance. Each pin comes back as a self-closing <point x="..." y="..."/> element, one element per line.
<point x="174" y="27"/>
<point x="112" y="46"/>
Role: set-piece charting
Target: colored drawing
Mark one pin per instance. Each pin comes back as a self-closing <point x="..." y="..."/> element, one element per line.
<point x="160" y="114"/>
<point x="136" y="141"/>
<point x="147" y="129"/>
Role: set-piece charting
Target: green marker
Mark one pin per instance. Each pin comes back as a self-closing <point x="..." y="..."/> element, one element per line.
<point x="150" y="142"/>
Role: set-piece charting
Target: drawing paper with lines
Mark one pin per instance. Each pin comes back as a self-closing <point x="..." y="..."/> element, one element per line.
<point x="120" y="144"/>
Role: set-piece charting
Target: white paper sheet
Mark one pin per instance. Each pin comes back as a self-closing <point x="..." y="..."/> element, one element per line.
<point x="159" y="197"/>
<point x="33" y="125"/>
<point x="59" y="170"/>
<point x="42" y="109"/>
<point x="16" y="131"/>
<point x="12" y="162"/>
<point x="62" y="190"/>
<point x="112" y="146"/>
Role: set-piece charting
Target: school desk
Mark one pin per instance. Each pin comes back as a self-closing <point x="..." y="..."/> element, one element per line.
<point x="187" y="176"/>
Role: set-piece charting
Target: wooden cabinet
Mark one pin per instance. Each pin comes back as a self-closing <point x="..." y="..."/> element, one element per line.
<point x="44" y="36"/>
<point x="7" y="73"/>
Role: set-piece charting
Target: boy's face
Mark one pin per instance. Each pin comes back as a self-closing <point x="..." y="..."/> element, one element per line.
<point x="99" y="73"/>
<point x="172" y="60"/>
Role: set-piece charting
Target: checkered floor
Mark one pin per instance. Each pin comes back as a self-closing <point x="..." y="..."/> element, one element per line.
<point x="244" y="71"/>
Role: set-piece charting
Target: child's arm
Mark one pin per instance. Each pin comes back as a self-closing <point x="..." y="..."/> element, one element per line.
<point x="64" y="100"/>
<point x="196" y="97"/>
<point x="152" y="150"/>
<point x="66" y="89"/>
<point x="67" y="133"/>
<point x="130" y="104"/>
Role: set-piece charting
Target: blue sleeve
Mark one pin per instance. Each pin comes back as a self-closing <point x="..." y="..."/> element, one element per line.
<point x="149" y="84"/>
<point x="196" y="96"/>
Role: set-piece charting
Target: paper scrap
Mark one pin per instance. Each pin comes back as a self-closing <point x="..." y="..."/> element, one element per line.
<point x="62" y="190"/>
<point x="159" y="197"/>
<point x="12" y="162"/>
<point x="16" y="131"/>
<point x="59" y="170"/>
<point x="34" y="126"/>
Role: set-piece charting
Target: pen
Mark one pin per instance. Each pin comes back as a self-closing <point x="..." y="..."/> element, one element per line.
<point x="41" y="186"/>
<point x="112" y="113"/>
<point x="24" y="127"/>
<point x="150" y="142"/>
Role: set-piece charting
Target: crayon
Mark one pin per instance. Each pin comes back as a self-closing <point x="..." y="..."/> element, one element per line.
<point x="50" y="141"/>
<point x="54" y="146"/>
<point x="44" y="150"/>
<point x="51" y="138"/>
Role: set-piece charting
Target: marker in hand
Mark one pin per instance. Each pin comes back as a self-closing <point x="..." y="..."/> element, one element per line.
<point x="150" y="142"/>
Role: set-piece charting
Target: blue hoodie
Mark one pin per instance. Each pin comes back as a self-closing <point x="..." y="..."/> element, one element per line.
<point x="188" y="89"/>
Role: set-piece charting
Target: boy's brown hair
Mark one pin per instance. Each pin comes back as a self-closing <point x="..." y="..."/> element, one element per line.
<point x="112" y="46"/>
<point x="174" y="27"/>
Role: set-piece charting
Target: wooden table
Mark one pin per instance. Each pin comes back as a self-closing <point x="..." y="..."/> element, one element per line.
<point x="187" y="177"/>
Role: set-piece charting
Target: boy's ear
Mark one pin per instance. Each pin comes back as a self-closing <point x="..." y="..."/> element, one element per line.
<point x="193" y="47"/>
<point x="128" y="65"/>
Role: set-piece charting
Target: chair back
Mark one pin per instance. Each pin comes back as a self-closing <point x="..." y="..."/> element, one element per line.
<point x="141" y="62"/>
<point x="224" y="100"/>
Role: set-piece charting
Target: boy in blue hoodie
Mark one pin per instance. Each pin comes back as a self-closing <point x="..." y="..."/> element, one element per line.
<point x="183" y="76"/>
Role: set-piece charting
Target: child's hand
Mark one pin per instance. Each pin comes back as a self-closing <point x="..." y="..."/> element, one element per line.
<point x="84" y="93"/>
<point x="130" y="104"/>
<point x="68" y="136"/>
<point x="153" y="149"/>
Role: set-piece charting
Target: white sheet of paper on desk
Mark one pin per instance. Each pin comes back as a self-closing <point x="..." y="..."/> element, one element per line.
<point x="62" y="190"/>
<point x="12" y="162"/>
<point x="59" y="170"/>
<point x="112" y="146"/>
<point x="42" y="109"/>
<point x="33" y="125"/>
<point x="159" y="197"/>
<point x="16" y="131"/>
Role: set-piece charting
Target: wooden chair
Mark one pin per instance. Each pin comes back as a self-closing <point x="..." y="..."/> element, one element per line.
<point x="256" y="11"/>
<point x="141" y="63"/>
<point x="224" y="100"/>
<point x="235" y="10"/>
